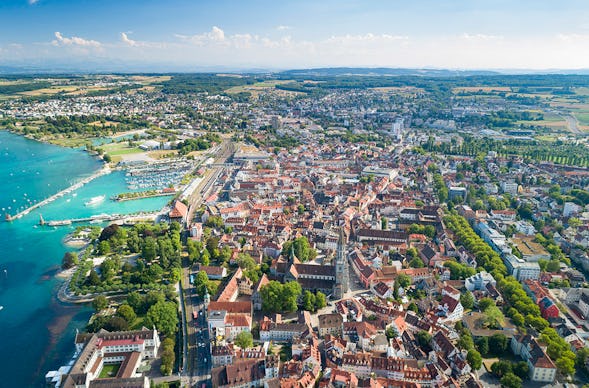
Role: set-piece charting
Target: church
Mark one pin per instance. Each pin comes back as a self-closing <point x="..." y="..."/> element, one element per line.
<point x="329" y="279"/>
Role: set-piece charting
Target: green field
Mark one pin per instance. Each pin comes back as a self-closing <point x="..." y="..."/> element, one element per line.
<point x="583" y="117"/>
<point x="117" y="149"/>
<point x="109" y="370"/>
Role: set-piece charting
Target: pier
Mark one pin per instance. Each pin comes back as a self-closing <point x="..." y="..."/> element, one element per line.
<point x="104" y="218"/>
<point x="104" y="171"/>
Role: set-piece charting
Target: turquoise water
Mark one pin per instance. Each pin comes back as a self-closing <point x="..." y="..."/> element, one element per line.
<point x="36" y="330"/>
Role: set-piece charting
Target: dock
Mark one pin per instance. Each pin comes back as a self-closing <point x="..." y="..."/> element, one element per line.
<point x="104" y="171"/>
<point x="123" y="218"/>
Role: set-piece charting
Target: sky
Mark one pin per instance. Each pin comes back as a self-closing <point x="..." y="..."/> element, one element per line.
<point x="185" y="35"/>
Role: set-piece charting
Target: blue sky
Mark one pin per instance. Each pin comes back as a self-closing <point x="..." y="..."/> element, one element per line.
<point x="175" y="34"/>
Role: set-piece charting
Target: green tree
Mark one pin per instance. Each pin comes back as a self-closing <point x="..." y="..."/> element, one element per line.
<point x="501" y="368"/>
<point x="93" y="278"/>
<point x="149" y="249"/>
<point x="521" y="369"/>
<point x="424" y="338"/>
<point x="245" y="261"/>
<point x="416" y="263"/>
<point x="164" y="315"/>
<point x="201" y="280"/>
<point x="465" y="342"/>
<point x="474" y="359"/>
<point x="320" y="300"/>
<point x="482" y="344"/>
<point x="69" y="260"/>
<point x="498" y="344"/>
<point x="127" y="313"/>
<point x="485" y="303"/>
<point x="403" y="280"/>
<point x="103" y="248"/>
<point x="244" y="340"/>
<point x="391" y="332"/>
<point x="100" y="303"/>
<point x="308" y="301"/>
<point x="467" y="300"/>
<point x="510" y="380"/>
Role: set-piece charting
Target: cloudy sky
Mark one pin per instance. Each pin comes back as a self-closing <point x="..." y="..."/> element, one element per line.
<point x="243" y="34"/>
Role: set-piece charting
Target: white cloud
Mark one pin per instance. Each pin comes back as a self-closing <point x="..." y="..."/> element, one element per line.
<point x="129" y="42"/>
<point x="74" y="41"/>
<point x="283" y="28"/>
<point x="480" y="37"/>
<point x="33" y="2"/>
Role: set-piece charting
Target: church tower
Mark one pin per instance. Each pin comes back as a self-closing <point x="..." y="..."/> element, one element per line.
<point x="341" y="267"/>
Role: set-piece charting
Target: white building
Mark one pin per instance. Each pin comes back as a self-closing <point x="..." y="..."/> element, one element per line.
<point x="479" y="281"/>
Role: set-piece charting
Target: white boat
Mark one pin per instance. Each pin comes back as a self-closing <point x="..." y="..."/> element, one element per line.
<point x="1" y="307"/>
<point x="95" y="200"/>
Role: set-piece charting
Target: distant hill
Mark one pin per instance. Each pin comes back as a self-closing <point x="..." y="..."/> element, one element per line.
<point x="383" y="71"/>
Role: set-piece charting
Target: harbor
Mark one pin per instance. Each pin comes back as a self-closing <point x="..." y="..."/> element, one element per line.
<point x="104" y="171"/>
<point x="116" y="218"/>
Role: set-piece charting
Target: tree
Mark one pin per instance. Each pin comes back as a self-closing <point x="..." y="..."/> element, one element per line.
<point x="498" y="344"/>
<point x="320" y="300"/>
<point x="244" y="340"/>
<point x="104" y="247"/>
<point x="485" y="303"/>
<point x="391" y="332"/>
<point x="201" y="281"/>
<point x="424" y="338"/>
<point x="474" y="359"/>
<point x="416" y="262"/>
<point x="308" y="301"/>
<point x="116" y="323"/>
<point x="465" y="342"/>
<point x="565" y="365"/>
<point x="168" y="357"/>
<point x="553" y="266"/>
<point x="581" y="358"/>
<point x="521" y="370"/>
<point x="136" y="301"/>
<point x="69" y="260"/>
<point x="164" y="315"/>
<point x="384" y="223"/>
<point x="413" y="307"/>
<point x="100" y="303"/>
<point x="127" y="313"/>
<point x="403" y="280"/>
<point x="501" y="368"/>
<point x="245" y="261"/>
<point x="483" y="345"/>
<point x="467" y="300"/>
<point x="149" y="249"/>
<point x="510" y="380"/>
<point x="278" y="297"/>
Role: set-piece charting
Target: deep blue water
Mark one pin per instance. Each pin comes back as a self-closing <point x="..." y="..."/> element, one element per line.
<point x="36" y="330"/>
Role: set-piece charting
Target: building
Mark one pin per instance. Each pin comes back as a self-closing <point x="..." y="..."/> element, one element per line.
<point x="282" y="331"/>
<point x="330" y="324"/>
<point x="479" y="281"/>
<point x="95" y="350"/>
<point x="380" y="172"/>
<point x="509" y="188"/>
<point x="530" y="249"/>
<point x="541" y="366"/>
<point x="179" y="212"/>
<point x="457" y="193"/>
<point x="521" y="269"/>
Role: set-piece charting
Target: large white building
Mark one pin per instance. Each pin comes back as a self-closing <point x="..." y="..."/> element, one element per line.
<point x="95" y="350"/>
<point x="521" y="269"/>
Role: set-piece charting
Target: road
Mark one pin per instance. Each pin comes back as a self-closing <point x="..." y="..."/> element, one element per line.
<point x="196" y="343"/>
<point x="573" y="124"/>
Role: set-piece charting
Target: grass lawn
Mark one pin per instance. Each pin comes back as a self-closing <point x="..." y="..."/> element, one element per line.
<point x="137" y="324"/>
<point x="583" y="117"/>
<point x="117" y="149"/>
<point x="109" y="370"/>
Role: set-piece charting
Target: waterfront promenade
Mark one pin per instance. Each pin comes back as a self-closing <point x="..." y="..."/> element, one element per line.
<point x="104" y="171"/>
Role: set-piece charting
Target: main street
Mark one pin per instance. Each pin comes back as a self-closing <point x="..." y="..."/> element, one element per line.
<point x="196" y="341"/>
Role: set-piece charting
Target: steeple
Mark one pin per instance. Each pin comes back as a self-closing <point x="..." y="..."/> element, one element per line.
<point x="341" y="267"/>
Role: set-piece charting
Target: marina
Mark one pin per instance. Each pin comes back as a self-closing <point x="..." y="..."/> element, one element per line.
<point x="157" y="175"/>
<point x="105" y="170"/>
